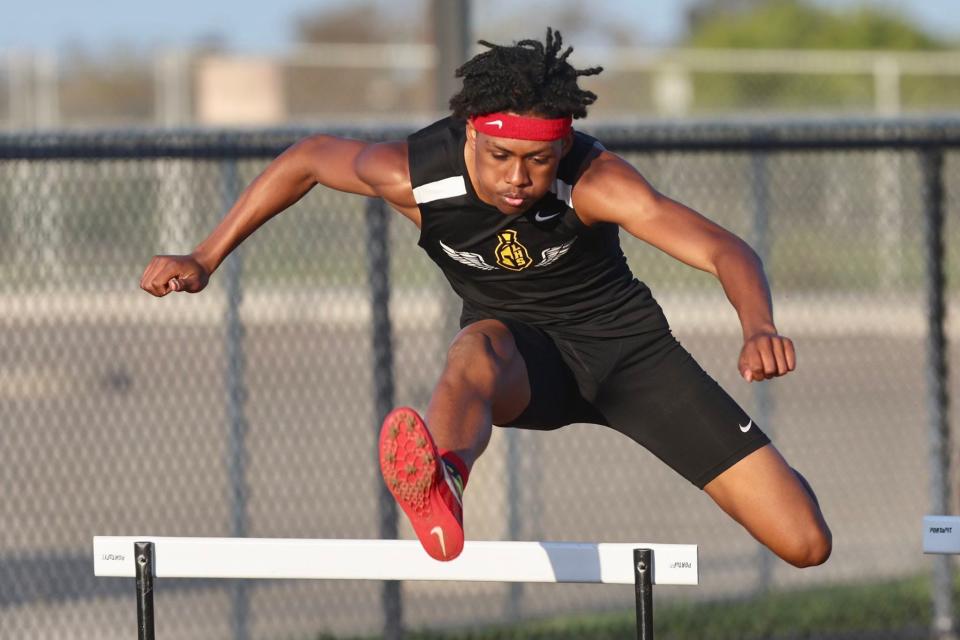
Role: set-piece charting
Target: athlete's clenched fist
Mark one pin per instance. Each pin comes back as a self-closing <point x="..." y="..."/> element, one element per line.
<point x="173" y="273"/>
<point x="766" y="355"/>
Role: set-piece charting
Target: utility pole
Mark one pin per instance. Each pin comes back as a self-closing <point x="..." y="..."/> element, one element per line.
<point x="451" y="37"/>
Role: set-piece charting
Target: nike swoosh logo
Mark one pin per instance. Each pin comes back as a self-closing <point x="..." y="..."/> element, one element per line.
<point x="437" y="531"/>
<point x="540" y="218"/>
<point x="496" y="123"/>
<point x="746" y="428"/>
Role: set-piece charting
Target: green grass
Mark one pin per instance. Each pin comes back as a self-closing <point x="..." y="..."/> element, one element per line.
<point x="872" y="607"/>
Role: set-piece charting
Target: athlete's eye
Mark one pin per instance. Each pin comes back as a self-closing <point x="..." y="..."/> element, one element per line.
<point x="541" y="160"/>
<point x="500" y="156"/>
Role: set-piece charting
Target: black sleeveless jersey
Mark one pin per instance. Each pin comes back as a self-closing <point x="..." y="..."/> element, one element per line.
<point x="543" y="267"/>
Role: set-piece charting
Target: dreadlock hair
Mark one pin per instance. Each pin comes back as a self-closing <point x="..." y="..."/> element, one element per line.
<point x="528" y="77"/>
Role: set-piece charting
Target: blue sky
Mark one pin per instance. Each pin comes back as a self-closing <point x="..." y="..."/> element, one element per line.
<point x="267" y="26"/>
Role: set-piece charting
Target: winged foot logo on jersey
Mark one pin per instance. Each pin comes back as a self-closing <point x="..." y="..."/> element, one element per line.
<point x="509" y="253"/>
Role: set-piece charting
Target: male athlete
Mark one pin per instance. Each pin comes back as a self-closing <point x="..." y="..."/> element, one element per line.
<point x="522" y="214"/>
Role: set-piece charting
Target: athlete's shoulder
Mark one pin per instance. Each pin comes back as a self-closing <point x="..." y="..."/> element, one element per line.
<point x="383" y="163"/>
<point x="434" y="152"/>
<point x="609" y="188"/>
<point x="602" y="165"/>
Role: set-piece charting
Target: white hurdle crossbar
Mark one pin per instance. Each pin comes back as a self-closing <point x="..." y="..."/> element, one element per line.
<point x="147" y="557"/>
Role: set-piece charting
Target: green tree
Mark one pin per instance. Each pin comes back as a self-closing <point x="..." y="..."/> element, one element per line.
<point x="801" y="24"/>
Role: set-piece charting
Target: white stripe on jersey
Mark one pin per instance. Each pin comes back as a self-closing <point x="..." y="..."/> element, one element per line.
<point x="446" y="188"/>
<point x="564" y="192"/>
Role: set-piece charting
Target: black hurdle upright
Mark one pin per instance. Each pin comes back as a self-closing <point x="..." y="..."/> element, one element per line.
<point x="643" y="581"/>
<point x="143" y="553"/>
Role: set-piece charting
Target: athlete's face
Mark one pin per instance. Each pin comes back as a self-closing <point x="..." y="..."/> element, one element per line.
<point x="513" y="175"/>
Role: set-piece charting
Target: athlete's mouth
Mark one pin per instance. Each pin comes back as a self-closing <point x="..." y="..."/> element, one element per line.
<point x="514" y="199"/>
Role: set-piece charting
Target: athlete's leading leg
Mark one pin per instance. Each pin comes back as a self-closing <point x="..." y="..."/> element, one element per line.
<point x="484" y="382"/>
<point x="776" y="505"/>
<point x="484" y="379"/>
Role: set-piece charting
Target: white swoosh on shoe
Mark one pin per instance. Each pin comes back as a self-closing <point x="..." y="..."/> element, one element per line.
<point x="437" y="531"/>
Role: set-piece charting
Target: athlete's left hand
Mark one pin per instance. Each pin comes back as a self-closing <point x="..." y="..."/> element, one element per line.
<point x="766" y="355"/>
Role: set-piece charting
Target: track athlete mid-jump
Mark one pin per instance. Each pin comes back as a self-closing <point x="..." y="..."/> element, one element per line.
<point x="522" y="214"/>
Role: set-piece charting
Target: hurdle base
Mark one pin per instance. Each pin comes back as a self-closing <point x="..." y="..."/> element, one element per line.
<point x="643" y="564"/>
<point x="143" y="554"/>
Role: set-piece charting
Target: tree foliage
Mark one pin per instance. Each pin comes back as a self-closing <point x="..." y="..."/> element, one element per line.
<point x="367" y="21"/>
<point x="800" y="24"/>
<point x="803" y="24"/>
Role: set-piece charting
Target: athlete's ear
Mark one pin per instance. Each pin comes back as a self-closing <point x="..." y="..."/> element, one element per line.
<point x="472" y="134"/>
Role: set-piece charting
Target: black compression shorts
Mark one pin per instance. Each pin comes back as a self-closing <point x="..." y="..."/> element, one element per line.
<point x="647" y="387"/>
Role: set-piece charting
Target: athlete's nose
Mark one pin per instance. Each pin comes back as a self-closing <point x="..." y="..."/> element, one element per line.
<point x="517" y="175"/>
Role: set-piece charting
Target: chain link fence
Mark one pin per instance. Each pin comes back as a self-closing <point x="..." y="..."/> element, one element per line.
<point x="252" y="408"/>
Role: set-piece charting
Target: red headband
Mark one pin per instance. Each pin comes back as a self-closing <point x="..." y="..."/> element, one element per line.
<point x="507" y="125"/>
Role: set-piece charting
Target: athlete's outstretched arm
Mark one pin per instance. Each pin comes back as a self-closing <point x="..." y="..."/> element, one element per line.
<point x="611" y="190"/>
<point x="345" y="165"/>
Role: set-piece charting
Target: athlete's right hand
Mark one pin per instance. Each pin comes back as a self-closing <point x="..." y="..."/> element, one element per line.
<point x="174" y="273"/>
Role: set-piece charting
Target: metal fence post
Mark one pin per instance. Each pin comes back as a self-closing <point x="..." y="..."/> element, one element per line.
<point x="236" y="416"/>
<point x="931" y="161"/>
<point x="378" y="277"/>
<point x="514" y="603"/>
<point x="763" y="399"/>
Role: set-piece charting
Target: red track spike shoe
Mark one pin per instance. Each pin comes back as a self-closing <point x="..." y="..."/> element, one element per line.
<point x="418" y="479"/>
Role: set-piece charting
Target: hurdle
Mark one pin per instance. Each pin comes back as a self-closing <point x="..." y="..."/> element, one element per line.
<point x="149" y="557"/>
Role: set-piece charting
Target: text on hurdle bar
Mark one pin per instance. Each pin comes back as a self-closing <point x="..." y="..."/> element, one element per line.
<point x="941" y="534"/>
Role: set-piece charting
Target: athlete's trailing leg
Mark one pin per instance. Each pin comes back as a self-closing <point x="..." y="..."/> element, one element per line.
<point x="776" y="505"/>
<point x="426" y="464"/>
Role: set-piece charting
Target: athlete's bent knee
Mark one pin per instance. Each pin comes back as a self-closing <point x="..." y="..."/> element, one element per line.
<point x="809" y="548"/>
<point x="472" y="359"/>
